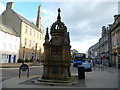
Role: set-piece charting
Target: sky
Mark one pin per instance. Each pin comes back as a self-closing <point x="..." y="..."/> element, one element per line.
<point x="84" y="20"/>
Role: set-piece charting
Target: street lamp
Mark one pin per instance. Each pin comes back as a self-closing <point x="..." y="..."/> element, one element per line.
<point x="36" y="51"/>
<point x="24" y="54"/>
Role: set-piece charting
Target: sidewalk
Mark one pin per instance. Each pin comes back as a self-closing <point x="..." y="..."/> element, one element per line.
<point x="111" y="69"/>
<point x="106" y="68"/>
<point x="94" y="79"/>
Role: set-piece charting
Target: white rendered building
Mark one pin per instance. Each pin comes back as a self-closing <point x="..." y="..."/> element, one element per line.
<point x="9" y="45"/>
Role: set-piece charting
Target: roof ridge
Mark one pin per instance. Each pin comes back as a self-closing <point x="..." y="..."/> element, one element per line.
<point x="26" y="21"/>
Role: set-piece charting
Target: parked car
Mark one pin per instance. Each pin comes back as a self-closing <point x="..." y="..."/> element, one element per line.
<point x="87" y="66"/>
<point x="77" y="63"/>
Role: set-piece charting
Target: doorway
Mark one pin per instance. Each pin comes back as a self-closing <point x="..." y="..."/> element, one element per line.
<point x="33" y="56"/>
<point x="9" y="59"/>
<point x="14" y="59"/>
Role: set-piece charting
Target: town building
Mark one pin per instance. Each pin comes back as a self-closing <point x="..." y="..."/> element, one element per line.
<point x="72" y="52"/>
<point x="31" y="35"/>
<point x="93" y="53"/>
<point x="100" y="51"/>
<point x="109" y="44"/>
<point x="90" y="53"/>
<point x="9" y="44"/>
<point x="115" y="39"/>
<point x="103" y="46"/>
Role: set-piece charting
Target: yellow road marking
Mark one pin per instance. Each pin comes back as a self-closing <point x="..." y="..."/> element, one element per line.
<point x="9" y="69"/>
<point x="21" y="76"/>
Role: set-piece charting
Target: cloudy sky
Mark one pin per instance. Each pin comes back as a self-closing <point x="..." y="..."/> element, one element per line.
<point x="84" y="20"/>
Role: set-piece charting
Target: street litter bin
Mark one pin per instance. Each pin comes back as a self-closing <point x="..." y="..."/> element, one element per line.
<point x="81" y="72"/>
<point x="119" y="66"/>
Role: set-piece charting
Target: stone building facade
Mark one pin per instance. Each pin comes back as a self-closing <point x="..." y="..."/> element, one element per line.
<point x="115" y="39"/>
<point x="31" y="35"/>
<point x="72" y="52"/>
<point x="90" y="53"/>
<point x="103" y="46"/>
<point x="100" y="51"/>
<point x="93" y="53"/>
<point x="109" y="44"/>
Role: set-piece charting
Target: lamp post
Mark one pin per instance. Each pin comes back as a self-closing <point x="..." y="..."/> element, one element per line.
<point x="36" y="52"/>
<point x="23" y="54"/>
<point x="40" y="57"/>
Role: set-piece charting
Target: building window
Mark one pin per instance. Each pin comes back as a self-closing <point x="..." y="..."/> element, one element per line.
<point x="4" y="56"/>
<point x="26" y="28"/>
<point x="41" y="37"/>
<point x="25" y="42"/>
<point x="4" y="46"/>
<point x="34" y="33"/>
<point x="30" y="31"/>
<point x="36" y="46"/>
<point x="30" y="43"/>
<point x="33" y="43"/>
<point x="15" y="48"/>
<point x="38" y="35"/>
<point x="28" y="56"/>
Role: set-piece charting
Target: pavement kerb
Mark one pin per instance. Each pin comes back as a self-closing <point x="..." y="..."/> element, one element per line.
<point x="30" y="67"/>
<point x="17" y="65"/>
<point x="35" y="66"/>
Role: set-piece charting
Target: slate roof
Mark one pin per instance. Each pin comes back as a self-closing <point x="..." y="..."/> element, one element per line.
<point x="26" y="21"/>
<point x="8" y="29"/>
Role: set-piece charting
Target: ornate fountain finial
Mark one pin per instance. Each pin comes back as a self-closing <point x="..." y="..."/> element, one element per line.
<point x="47" y="35"/>
<point x="59" y="18"/>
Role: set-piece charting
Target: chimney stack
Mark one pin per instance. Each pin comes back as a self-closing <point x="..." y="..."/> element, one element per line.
<point x="9" y="6"/>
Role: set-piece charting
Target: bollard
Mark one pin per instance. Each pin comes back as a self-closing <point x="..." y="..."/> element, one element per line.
<point x="81" y="72"/>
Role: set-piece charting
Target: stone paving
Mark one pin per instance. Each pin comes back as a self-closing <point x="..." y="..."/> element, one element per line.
<point x="107" y="78"/>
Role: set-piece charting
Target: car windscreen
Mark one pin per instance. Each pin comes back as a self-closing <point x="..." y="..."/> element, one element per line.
<point x="79" y="59"/>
